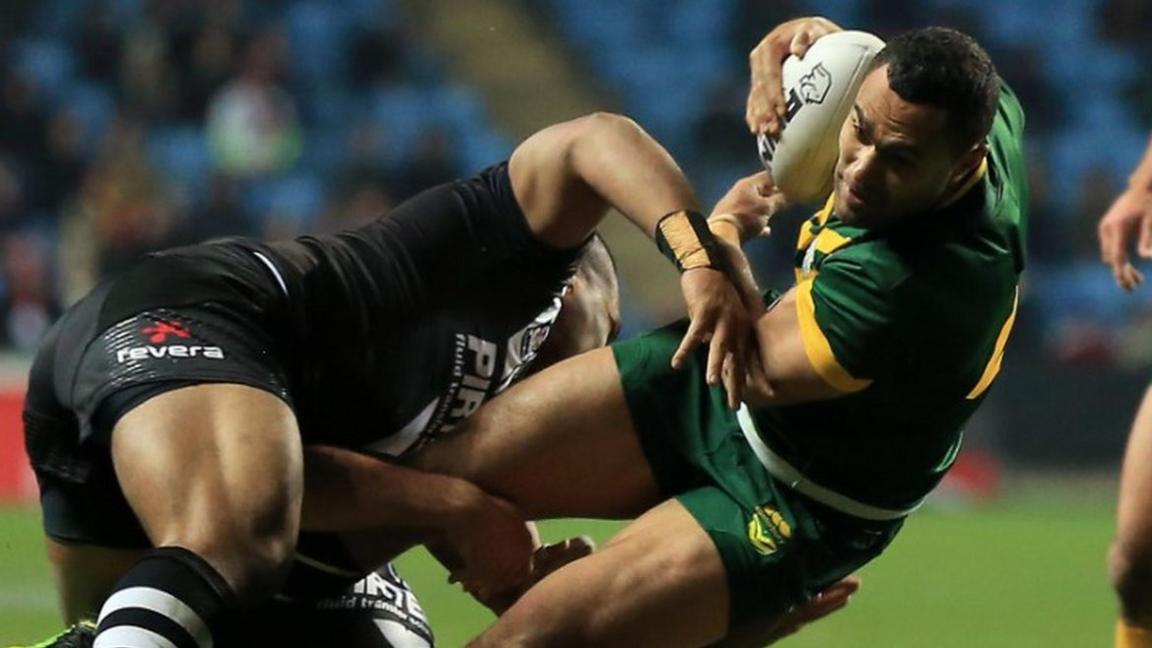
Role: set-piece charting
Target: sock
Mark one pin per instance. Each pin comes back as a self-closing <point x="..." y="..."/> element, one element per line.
<point x="1130" y="636"/>
<point x="171" y="598"/>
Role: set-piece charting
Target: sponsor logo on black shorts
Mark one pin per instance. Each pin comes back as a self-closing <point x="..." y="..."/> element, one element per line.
<point x="158" y="334"/>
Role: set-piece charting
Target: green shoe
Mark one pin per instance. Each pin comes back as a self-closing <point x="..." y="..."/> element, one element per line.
<point x="80" y="635"/>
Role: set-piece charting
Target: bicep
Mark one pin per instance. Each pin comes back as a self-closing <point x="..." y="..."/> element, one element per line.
<point x="556" y="202"/>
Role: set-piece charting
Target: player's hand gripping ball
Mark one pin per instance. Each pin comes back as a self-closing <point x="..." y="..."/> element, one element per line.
<point x="819" y="90"/>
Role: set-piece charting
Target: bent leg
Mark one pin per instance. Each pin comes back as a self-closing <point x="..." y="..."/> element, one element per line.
<point x="561" y="443"/>
<point x="85" y="575"/>
<point x="660" y="582"/>
<point x="1130" y="557"/>
<point x="214" y="474"/>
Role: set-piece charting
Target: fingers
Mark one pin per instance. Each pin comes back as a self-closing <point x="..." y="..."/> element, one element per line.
<point x="733" y="381"/>
<point x="717" y="351"/>
<point x="765" y="110"/>
<point x="757" y="390"/>
<point x="830" y="600"/>
<point x="826" y="602"/>
<point x="550" y="557"/>
<point x="692" y="339"/>
<point x="766" y="106"/>
<point x="800" y="43"/>
<point x="1127" y="276"/>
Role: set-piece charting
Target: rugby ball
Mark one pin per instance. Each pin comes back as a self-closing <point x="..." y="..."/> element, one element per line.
<point x="819" y="90"/>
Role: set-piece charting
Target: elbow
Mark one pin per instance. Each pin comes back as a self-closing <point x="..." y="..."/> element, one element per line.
<point x="607" y="125"/>
<point x="603" y="120"/>
<point x="601" y="136"/>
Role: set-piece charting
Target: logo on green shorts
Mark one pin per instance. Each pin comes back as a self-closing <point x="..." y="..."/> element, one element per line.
<point x="767" y="530"/>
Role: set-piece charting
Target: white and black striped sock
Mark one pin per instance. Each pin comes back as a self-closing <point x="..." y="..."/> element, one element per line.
<point x="169" y="599"/>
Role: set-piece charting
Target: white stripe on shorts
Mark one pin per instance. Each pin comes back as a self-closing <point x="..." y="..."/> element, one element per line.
<point x="274" y="270"/>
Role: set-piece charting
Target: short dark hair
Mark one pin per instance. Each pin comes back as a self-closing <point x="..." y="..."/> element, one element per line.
<point x="946" y="69"/>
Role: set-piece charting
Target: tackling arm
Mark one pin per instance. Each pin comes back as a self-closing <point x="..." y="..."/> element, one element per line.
<point x="566" y="177"/>
<point x="482" y="539"/>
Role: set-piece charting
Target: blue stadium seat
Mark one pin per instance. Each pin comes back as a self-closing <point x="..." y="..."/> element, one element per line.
<point x="181" y="153"/>
<point x="296" y="196"/>
<point x="47" y="62"/>
<point x="479" y="148"/>
<point x="318" y="34"/>
<point x="60" y="18"/>
<point x="93" y="106"/>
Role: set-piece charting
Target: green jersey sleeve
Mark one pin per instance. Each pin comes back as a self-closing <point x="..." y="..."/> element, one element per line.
<point x="846" y="320"/>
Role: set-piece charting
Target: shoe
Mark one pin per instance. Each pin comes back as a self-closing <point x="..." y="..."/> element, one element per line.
<point x="80" y="635"/>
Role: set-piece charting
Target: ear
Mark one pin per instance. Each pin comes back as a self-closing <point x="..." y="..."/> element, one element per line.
<point x="969" y="162"/>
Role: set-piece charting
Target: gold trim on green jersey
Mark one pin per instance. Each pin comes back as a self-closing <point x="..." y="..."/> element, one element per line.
<point x="993" y="366"/>
<point x="817" y="348"/>
<point x="967" y="185"/>
<point x="819" y="218"/>
<point x="830" y="240"/>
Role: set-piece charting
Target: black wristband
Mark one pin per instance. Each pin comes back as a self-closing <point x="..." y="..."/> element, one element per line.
<point x="683" y="236"/>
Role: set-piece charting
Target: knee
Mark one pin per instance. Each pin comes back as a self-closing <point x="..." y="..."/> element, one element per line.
<point x="254" y="564"/>
<point x="1130" y="568"/>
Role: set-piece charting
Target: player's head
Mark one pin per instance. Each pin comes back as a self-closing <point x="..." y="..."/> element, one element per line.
<point x="590" y="315"/>
<point x="917" y="129"/>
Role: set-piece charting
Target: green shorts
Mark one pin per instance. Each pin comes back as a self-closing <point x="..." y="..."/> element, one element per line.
<point x="779" y="548"/>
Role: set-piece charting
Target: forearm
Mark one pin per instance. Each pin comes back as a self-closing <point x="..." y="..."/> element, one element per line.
<point x="630" y="171"/>
<point x="1141" y="178"/>
<point x="349" y="491"/>
<point x="567" y="176"/>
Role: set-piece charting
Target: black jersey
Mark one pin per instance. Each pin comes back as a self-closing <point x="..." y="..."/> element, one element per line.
<point x="376" y="336"/>
<point x="408" y="324"/>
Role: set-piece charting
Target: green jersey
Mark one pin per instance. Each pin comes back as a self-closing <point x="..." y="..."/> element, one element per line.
<point x="911" y="324"/>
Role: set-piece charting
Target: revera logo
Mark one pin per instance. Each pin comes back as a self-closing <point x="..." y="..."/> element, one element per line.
<point x="169" y="351"/>
<point x="158" y="333"/>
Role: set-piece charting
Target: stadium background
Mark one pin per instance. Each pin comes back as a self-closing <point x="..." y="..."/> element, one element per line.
<point x="131" y="125"/>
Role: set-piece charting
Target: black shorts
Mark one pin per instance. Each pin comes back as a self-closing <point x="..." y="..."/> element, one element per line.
<point x="170" y="322"/>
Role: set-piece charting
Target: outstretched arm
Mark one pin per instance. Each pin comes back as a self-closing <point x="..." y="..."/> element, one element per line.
<point x="565" y="178"/>
<point x="1129" y="221"/>
<point x="482" y="538"/>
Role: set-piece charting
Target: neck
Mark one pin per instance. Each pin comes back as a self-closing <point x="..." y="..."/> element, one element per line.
<point x="964" y="183"/>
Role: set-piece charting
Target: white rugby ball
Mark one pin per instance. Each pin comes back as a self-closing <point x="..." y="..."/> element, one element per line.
<point x="819" y="90"/>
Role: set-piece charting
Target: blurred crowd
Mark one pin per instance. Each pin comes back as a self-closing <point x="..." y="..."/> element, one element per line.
<point x="132" y="125"/>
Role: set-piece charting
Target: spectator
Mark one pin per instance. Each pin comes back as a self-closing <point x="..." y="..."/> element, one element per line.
<point x="125" y="201"/>
<point x="252" y="122"/>
<point x="28" y="306"/>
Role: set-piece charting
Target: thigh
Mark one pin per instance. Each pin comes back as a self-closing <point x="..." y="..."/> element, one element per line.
<point x="561" y="443"/>
<point x="211" y="467"/>
<point x="660" y="582"/>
